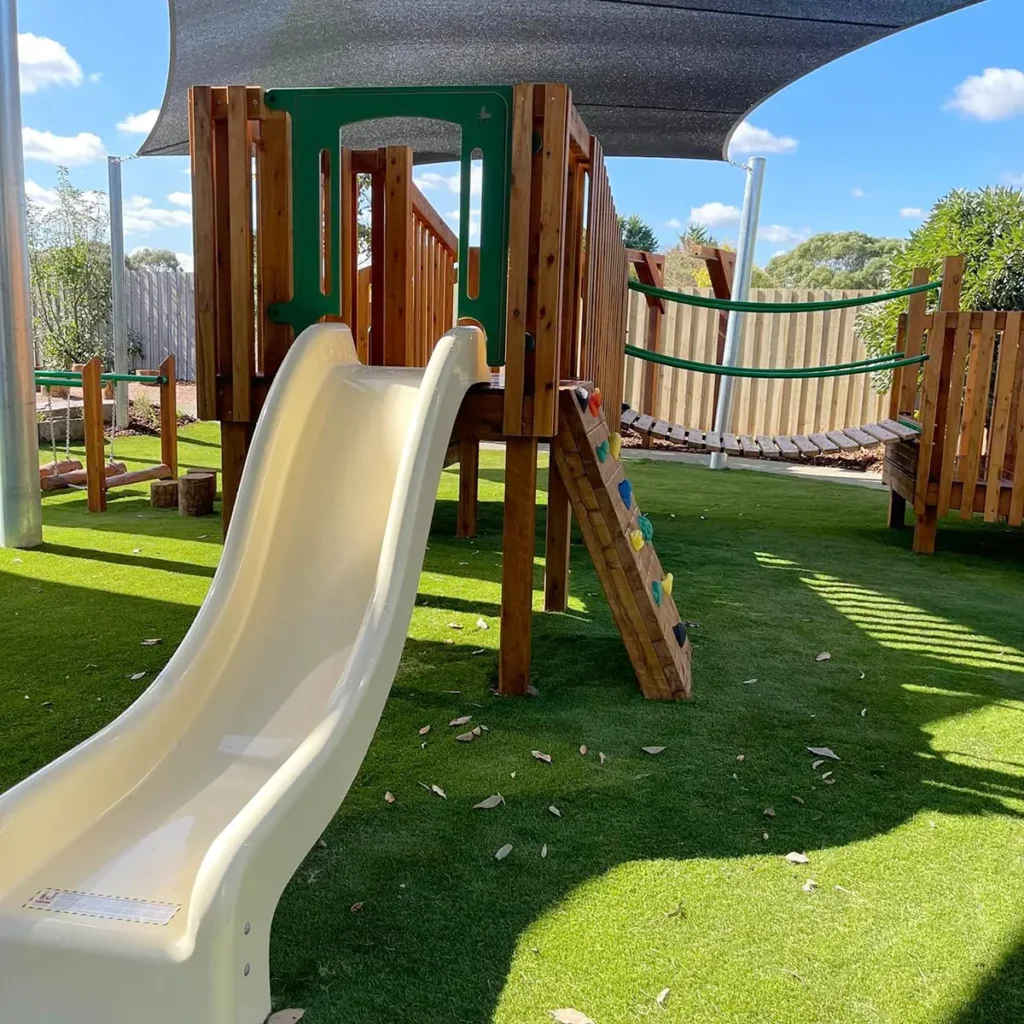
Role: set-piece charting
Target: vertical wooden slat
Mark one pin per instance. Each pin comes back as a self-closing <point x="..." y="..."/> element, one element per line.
<point x="914" y="342"/>
<point x="469" y="486"/>
<point x="399" y="325"/>
<point x="169" y="416"/>
<point x="954" y="405"/>
<point x="92" y="422"/>
<point x="243" y="339"/>
<point x="979" y="378"/>
<point x="558" y="529"/>
<point x="999" y="423"/>
<point x="378" y="245"/>
<point x="222" y="234"/>
<point x="234" y="446"/>
<point x="348" y="217"/>
<point x="1016" y="466"/>
<point x="363" y="314"/>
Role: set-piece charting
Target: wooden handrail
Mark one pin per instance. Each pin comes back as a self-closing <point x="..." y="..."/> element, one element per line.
<point x="428" y="216"/>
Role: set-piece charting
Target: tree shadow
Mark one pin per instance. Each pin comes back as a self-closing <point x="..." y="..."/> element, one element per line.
<point x="1000" y="995"/>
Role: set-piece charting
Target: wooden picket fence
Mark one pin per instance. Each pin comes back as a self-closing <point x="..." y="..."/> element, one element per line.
<point x="769" y="339"/>
<point x="161" y="318"/>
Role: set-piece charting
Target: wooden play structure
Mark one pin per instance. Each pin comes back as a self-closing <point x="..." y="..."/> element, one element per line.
<point x="967" y="409"/>
<point x="99" y="476"/>
<point x="546" y="285"/>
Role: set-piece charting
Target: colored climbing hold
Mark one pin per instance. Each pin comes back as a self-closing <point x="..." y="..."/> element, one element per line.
<point x="602" y="451"/>
<point x="582" y="397"/>
<point x="615" y="443"/>
<point x="679" y="630"/>
<point x="594" y="403"/>
<point x="646" y="527"/>
<point x="656" y="590"/>
<point x="626" y="493"/>
<point x="666" y="583"/>
<point x="636" y="538"/>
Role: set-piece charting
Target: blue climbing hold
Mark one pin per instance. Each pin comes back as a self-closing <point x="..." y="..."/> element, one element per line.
<point x="602" y="451"/>
<point x="656" y="591"/>
<point x="680" y="633"/>
<point x="646" y="527"/>
<point x="626" y="493"/>
<point x="582" y="397"/>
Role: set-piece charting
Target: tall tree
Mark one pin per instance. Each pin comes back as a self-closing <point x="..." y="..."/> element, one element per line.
<point x="637" y="233"/>
<point x="842" y="259"/>
<point x="986" y="226"/>
<point x="697" y="233"/>
<point x="69" y="263"/>
<point x="159" y="259"/>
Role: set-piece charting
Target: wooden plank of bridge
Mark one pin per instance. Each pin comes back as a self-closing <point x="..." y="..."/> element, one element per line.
<point x="823" y="443"/>
<point x="787" y="448"/>
<point x="661" y="430"/>
<point x="863" y="439"/>
<point x="880" y="433"/>
<point x="713" y="441"/>
<point x="748" y="447"/>
<point x="999" y="426"/>
<point x="804" y="445"/>
<point x="954" y="411"/>
<point x="841" y="441"/>
<point x="695" y="439"/>
<point x="769" y="449"/>
<point x="900" y="430"/>
<point x="628" y="418"/>
<point x="643" y="424"/>
<point x="677" y="433"/>
<point x="979" y="378"/>
<point x="731" y="444"/>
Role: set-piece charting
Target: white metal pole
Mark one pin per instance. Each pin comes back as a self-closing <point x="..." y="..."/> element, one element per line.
<point x="21" y="521"/>
<point x="740" y="291"/>
<point x="119" y="310"/>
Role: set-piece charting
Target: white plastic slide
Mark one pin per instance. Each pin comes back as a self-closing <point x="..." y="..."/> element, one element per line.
<point x="139" y="873"/>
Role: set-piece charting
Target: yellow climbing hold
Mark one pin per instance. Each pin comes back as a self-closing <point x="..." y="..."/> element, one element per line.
<point x="636" y="538"/>
<point x="615" y="443"/>
<point x="666" y="584"/>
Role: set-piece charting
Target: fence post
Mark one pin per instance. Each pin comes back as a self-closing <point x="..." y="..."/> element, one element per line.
<point x="92" y="421"/>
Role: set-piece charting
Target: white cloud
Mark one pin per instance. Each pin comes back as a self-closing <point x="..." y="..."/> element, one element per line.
<point x="858" y="193"/>
<point x="95" y="76"/>
<point x="453" y="215"/>
<point x="181" y="199"/>
<point x="43" y="62"/>
<point x="429" y="180"/>
<point x="995" y="95"/>
<point x="750" y="139"/>
<point x="1014" y="179"/>
<point x="139" y="124"/>
<point x="45" y="198"/>
<point x="912" y="212"/>
<point x="715" y="214"/>
<point x="186" y="261"/>
<point x="68" y="150"/>
<point x="140" y="216"/>
<point x="675" y="223"/>
<point x="780" y="234"/>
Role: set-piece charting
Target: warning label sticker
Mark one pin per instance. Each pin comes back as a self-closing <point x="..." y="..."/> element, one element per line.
<point x="114" y="908"/>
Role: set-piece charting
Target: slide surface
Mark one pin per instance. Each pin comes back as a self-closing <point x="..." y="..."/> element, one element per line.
<point x="139" y="873"/>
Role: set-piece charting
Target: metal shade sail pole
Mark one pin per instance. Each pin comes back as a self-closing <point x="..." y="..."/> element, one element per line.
<point x="21" y="524"/>
<point x="119" y="311"/>
<point x="740" y="293"/>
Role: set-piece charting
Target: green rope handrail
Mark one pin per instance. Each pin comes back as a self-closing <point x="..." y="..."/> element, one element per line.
<point x="798" y="373"/>
<point x="707" y="302"/>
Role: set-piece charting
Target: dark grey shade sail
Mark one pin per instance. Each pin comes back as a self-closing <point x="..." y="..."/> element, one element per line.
<point x="668" y="78"/>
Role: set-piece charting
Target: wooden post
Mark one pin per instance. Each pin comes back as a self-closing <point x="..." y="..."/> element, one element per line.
<point x="557" y="538"/>
<point x="169" y="416"/>
<point x="234" y="445"/>
<point x="916" y="313"/>
<point x="720" y="269"/>
<point x="897" y="510"/>
<point x="204" y="245"/>
<point x="399" y="254"/>
<point x="469" y="480"/>
<point x="378" y="260"/>
<point x="517" y="565"/>
<point x="92" y="418"/>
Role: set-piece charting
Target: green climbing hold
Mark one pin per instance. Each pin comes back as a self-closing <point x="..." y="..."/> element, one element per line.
<point x="656" y="591"/>
<point x="646" y="527"/>
<point x="602" y="451"/>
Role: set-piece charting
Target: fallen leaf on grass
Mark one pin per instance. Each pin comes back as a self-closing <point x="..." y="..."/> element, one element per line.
<point x="466" y="737"/>
<point x="451" y="691"/>
<point x="570" y="1016"/>
<point x="652" y="750"/>
<point x="741" y="757"/>
<point x="818" y="763"/>
<point x="749" y="682"/>
<point x="810" y="885"/>
<point x="461" y="721"/>
<point x="439" y="791"/>
<point x="602" y="757"/>
<point x="356" y="907"/>
<point x="797" y="858"/>
<point x="769" y="812"/>
<point x="479" y="650"/>
<point x="424" y="785"/>
<point x="153" y="641"/>
<point x="532" y="691"/>
<point x="583" y="750"/>
<point x="799" y="800"/>
<point x="544" y="851"/>
<point x="662" y="996"/>
<point x="824" y="752"/>
<point x="541" y="756"/>
<point x="490" y="803"/>
<point x="829" y="782"/>
<point x="425" y="730"/>
<point x="503" y="852"/>
<point x="482" y="624"/>
<point x="861" y="676"/>
<point x="135" y="677"/>
<point x="389" y="797"/>
<point x="863" y="712"/>
<point x="286" y="1017"/>
<point x="824" y="656"/>
<point x="825" y="775"/>
<point x="136" y="551"/>
<point x="680" y="911"/>
<point x="555" y="811"/>
<point x="454" y="625"/>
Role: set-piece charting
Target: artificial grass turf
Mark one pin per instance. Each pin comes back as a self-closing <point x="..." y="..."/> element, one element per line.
<point x="917" y="849"/>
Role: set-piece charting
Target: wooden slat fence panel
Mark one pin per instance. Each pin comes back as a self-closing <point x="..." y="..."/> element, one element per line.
<point x="161" y="319"/>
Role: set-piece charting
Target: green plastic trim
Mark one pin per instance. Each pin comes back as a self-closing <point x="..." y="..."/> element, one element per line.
<point x="484" y="115"/>
<point x="708" y="302"/>
<point x="801" y="373"/>
<point x="60" y="377"/>
<point x="912" y="423"/>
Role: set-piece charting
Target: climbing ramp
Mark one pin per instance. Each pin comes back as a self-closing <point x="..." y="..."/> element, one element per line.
<point x="620" y="541"/>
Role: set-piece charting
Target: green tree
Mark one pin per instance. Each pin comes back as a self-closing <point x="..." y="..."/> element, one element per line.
<point x="986" y="226"/>
<point x="637" y="234"/>
<point x="836" y="259"/>
<point x="160" y="259"/>
<point x="69" y="264"/>
<point x="697" y="234"/>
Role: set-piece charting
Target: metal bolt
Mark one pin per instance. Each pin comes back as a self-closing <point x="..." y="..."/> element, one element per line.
<point x="246" y="929"/>
<point x="246" y="971"/>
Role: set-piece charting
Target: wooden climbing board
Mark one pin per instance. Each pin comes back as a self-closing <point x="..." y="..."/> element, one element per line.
<point x="611" y="523"/>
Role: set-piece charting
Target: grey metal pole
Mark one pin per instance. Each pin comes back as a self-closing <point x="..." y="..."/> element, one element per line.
<point x="119" y="309"/>
<point x="740" y="290"/>
<point x="21" y="520"/>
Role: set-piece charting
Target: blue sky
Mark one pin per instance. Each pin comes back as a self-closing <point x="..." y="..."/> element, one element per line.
<point x="866" y="143"/>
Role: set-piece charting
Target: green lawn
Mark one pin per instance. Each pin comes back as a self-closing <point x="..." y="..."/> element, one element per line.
<point x="663" y="871"/>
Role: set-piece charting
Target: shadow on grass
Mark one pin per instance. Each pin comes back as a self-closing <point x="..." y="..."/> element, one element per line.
<point x="115" y="558"/>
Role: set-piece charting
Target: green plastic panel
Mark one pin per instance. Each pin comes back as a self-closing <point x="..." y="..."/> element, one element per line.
<point x="484" y="116"/>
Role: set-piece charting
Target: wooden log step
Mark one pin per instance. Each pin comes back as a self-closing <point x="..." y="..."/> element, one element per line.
<point x="823" y="443"/>
<point x="748" y="447"/>
<point x="787" y="448"/>
<point x="901" y="430"/>
<point x="731" y="444"/>
<point x="804" y="445"/>
<point x="863" y="439"/>
<point x="196" y="492"/>
<point x="877" y="430"/>
<point x="59" y="467"/>
<point x="842" y="442"/>
<point x="78" y="477"/>
<point x="768" y="447"/>
<point x="137" y="476"/>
